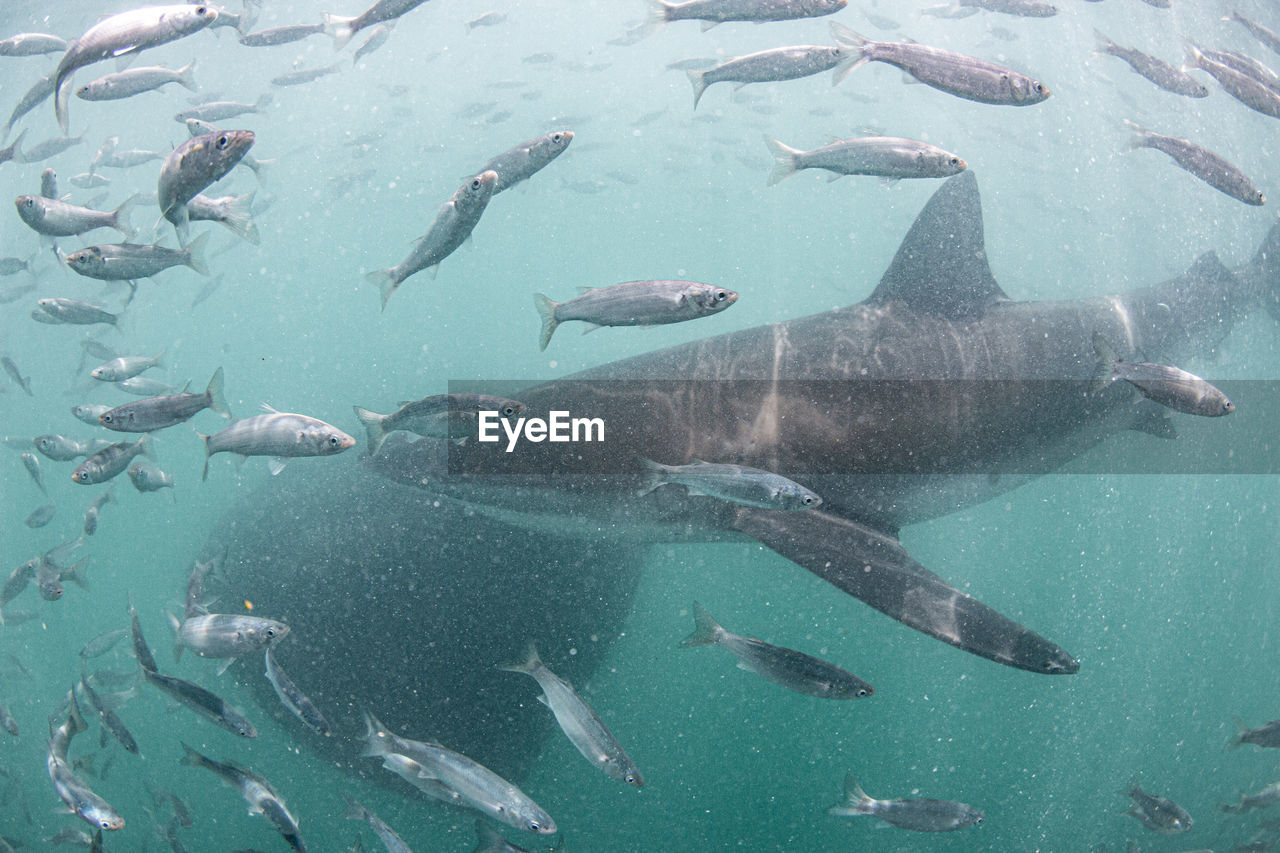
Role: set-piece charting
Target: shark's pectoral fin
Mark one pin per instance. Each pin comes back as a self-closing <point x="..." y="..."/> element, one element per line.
<point x="875" y="568"/>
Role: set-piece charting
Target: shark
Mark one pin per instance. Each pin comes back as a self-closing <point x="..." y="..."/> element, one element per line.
<point x="935" y="393"/>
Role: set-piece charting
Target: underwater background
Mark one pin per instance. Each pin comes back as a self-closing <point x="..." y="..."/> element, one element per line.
<point x="1163" y="586"/>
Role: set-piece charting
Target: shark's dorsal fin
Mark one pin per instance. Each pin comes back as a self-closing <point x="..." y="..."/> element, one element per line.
<point x="941" y="266"/>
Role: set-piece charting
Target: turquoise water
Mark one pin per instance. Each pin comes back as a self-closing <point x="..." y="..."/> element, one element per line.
<point x="1163" y="587"/>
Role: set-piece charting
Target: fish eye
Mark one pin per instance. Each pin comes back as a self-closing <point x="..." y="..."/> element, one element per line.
<point x="223" y="141"/>
<point x="862" y="691"/>
<point x="508" y="411"/>
<point x="104" y="823"/>
<point x="30" y="202"/>
<point x="202" y="10"/>
<point x="807" y="500"/>
<point x="557" y="137"/>
<point x="333" y="441"/>
<point x="955" y="161"/>
<point x="475" y="184"/>
<point x="978" y="821"/>
<point x="106" y="419"/>
<point x="721" y="296"/>
<point x="533" y="825"/>
<point x="270" y="632"/>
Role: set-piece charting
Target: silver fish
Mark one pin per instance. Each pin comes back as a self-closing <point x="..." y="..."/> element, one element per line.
<point x="130" y="261"/>
<point x="1201" y="162"/>
<point x="59" y="448"/>
<point x="305" y="75"/>
<point x="127" y="32"/>
<point x="1266" y="735"/>
<point x="111" y="721"/>
<point x="17" y="581"/>
<point x="32" y="44"/>
<point x="1246" y="65"/>
<point x="281" y="35"/>
<point x="453" y="224"/>
<point x="40" y="516"/>
<point x="281" y="435"/>
<point x="82" y="801"/>
<point x="779" y="63"/>
<point x="60" y="310"/>
<point x="736" y="483"/>
<point x="1167" y="385"/>
<point x="222" y="110"/>
<point x="48" y="148"/>
<point x="49" y="183"/>
<point x="393" y="842"/>
<point x="225" y="635"/>
<point x="135" y="81"/>
<point x="918" y="815"/>
<point x="7" y="722"/>
<point x="342" y="29"/>
<point x="32" y="464"/>
<point x="713" y="12"/>
<point x="11" y="368"/>
<point x="489" y="841"/>
<point x="91" y="514"/>
<point x="885" y="156"/>
<point x="129" y="158"/>
<point x="579" y="722"/>
<point x="488" y="19"/>
<point x="110" y="461"/>
<point x="451" y="416"/>
<point x="523" y="161"/>
<point x="1158" y="71"/>
<point x="13" y="266"/>
<point x="13" y="152"/>
<point x="634" y="303"/>
<point x="126" y="366"/>
<point x="1253" y="93"/>
<point x="377" y="38"/>
<point x="1018" y="8"/>
<point x="955" y="73"/>
<point x="257" y="792"/>
<point x="194" y="165"/>
<point x="141" y="650"/>
<point x="473" y="784"/>
<point x="144" y="386"/>
<point x="294" y="699"/>
<point x="103" y="643"/>
<point x="786" y="667"/>
<point x="1263" y="34"/>
<point x="1248" y="802"/>
<point x="146" y="477"/>
<point x="203" y="702"/>
<point x="159" y="412"/>
<point x="196" y="126"/>
<point x="1156" y="813"/>
<point x="55" y="218"/>
<point x="234" y="212"/>
<point x="34" y="97"/>
<point x="86" y="181"/>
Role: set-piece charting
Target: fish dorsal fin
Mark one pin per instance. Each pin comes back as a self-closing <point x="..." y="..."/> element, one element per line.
<point x="941" y="267"/>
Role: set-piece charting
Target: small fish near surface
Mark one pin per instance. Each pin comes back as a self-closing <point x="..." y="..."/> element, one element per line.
<point x="454" y="223"/>
<point x="298" y="703"/>
<point x="1201" y="162"/>
<point x="32" y="44"/>
<point x="89" y="412"/>
<point x="1268" y="796"/>
<point x="194" y="165"/>
<point x="280" y="435"/>
<point x="791" y="669"/>
<point x="578" y="721"/>
<point x="1017" y="8"/>
<point x="126" y="367"/>
<point x="223" y="110"/>
<point x="54" y="218"/>
<point x="735" y="483"/>
<point x="129" y="261"/>
<point x="305" y="75"/>
<point x="954" y="73"/>
<point x="95" y="508"/>
<point x="147" y="477"/>
<point x="888" y="157"/>
<point x="233" y="212"/>
<point x="1167" y="385"/>
<point x="169" y="410"/>
<point x="111" y="721"/>
<point x="281" y="35"/>
<point x="224" y="636"/>
<point x="448" y="416"/>
<point x="59" y="448"/>
<point x="916" y="814"/>
<point x="1263" y="34"/>
<point x="526" y="159"/>
<point x="713" y="12"/>
<point x="145" y="386"/>
<point x="257" y="792"/>
<point x="774" y="65"/>
<point x="79" y="798"/>
<point x="110" y="461"/>
<point x="62" y="311"/>
<point x="1156" y="813"/>
<point x="41" y="516"/>
<point x="1245" y="88"/>
<point x="1266" y="736"/>
<point x="343" y="28"/>
<point x="393" y="842"/>
<point x="11" y="368"/>
<point x="32" y="464"/>
<point x="634" y="303"/>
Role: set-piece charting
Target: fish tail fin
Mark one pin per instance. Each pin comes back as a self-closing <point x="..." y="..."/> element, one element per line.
<point x="238" y="217"/>
<point x="784" y="160"/>
<point x="530" y="663"/>
<point x="858" y="44"/>
<point x="17" y="147"/>
<point x="207" y="453"/>
<point x="706" y="630"/>
<point x="372" y="423"/>
<point x="845" y="67"/>
<point x="177" y="636"/>
<point x="659" y="17"/>
<point x="655" y="476"/>
<point x="386" y="282"/>
<point x="191" y="758"/>
<point x="217" y="401"/>
<point x="1104" y="43"/>
<point x="75" y="717"/>
<point x="75" y="573"/>
<point x="339" y="28"/>
<point x="1237" y="738"/>
<point x="1141" y="136"/>
<point x="120" y="216"/>
<point x="265" y="100"/>
<point x="260" y="167"/>
<point x="61" y="86"/>
<point x="195" y="254"/>
<point x="488" y="838"/>
<point x="547" y="311"/>
<point x="187" y="76"/>
<point x="375" y="737"/>
<point x="355" y="811"/>
<point x="855" y="802"/>
<point x="699" y="81"/>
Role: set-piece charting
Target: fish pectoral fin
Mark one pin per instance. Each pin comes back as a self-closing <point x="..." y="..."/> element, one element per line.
<point x="222" y="667"/>
<point x="742" y="666"/>
<point x="543" y="699"/>
<point x="276" y="464"/>
<point x="871" y="565"/>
